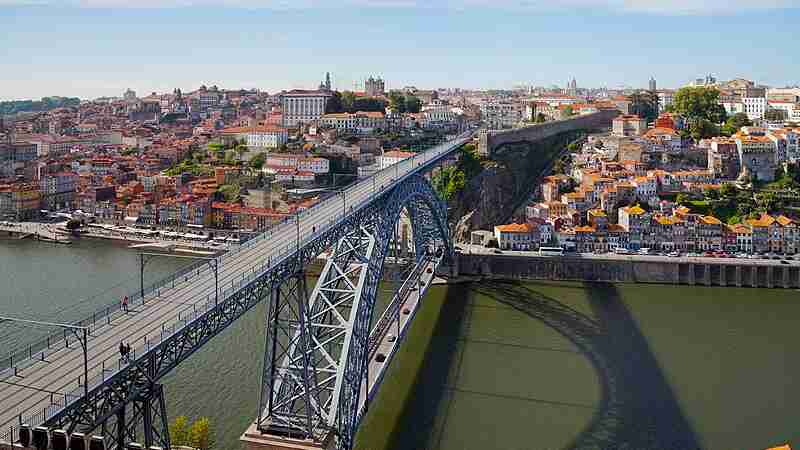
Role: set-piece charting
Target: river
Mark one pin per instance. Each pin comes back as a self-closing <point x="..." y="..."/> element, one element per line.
<point x="494" y="365"/>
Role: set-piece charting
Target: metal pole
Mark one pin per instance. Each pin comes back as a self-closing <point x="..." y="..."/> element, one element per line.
<point x="141" y="276"/>
<point x="85" y="363"/>
<point x="216" y="282"/>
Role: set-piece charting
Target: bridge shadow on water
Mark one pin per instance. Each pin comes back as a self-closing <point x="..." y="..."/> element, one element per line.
<point x="637" y="409"/>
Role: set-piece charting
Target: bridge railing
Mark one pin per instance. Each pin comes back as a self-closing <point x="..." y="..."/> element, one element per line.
<point x="111" y="366"/>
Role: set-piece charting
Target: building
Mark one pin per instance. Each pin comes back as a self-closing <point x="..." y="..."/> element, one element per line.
<point x="652" y="84"/>
<point x="498" y="115"/>
<point x="58" y="190"/>
<point x="515" y="236"/>
<point x="755" y="107"/>
<point x="302" y="106"/>
<point x="267" y="136"/>
<point x="628" y="125"/>
<point x="360" y="122"/>
<point x="756" y="155"/>
<point x="392" y="157"/>
<point x="723" y="158"/>
<point x="374" y="87"/>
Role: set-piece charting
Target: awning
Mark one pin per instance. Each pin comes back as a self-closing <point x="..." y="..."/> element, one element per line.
<point x="131" y="219"/>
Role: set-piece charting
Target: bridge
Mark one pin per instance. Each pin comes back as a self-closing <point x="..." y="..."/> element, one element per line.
<point x="324" y="352"/>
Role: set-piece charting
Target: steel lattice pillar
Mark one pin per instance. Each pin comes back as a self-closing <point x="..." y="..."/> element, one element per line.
<point x="317" y="346"/>
<point x="148" y="414"/>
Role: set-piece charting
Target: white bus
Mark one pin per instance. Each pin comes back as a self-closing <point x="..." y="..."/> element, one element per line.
<point x="551" y="251"/>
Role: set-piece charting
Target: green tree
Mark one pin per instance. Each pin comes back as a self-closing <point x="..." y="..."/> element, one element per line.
<point x="397" y="101"/>
<point x="701" y="108"/>
<point x="682" y="199"/>
<point x="257" y="162"/>
<point x="334" y="104"/>
<point x="644" y="104"/>
<point x="711" y="194"/>
<point x="201" y="435"/>
<point x="230" y="192"/>
<point x="541" y="118"/>
<point x="727" y="190"/>
<point x="240" y="150"/>
<point x="348" y="99"/>
<point x="735" y="122"/>
<point x="413" y="104"/>
<point x="179" y="431"/>
<point x="567" y="112"/>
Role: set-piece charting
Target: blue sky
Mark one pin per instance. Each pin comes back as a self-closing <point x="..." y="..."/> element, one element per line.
<point x="91" y="48"/>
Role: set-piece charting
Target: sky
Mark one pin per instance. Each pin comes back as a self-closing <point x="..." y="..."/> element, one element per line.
<point x="93" y="48"/>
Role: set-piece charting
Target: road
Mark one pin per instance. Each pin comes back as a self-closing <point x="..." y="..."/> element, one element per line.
<point x="27" y="395"/>
<point x="481" y="250"/>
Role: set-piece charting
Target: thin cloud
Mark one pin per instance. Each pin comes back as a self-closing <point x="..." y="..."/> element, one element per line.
<point x="659" y="7"/>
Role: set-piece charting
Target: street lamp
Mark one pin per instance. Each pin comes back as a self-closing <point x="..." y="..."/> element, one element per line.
<point x="81" y="333"/>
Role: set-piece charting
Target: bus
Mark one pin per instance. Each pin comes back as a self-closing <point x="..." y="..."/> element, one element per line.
<point x="551" y="251"/>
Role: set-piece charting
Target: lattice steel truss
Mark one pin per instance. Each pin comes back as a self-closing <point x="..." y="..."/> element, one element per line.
<point x="317" y="348"/>
<point x="324" y="348"/>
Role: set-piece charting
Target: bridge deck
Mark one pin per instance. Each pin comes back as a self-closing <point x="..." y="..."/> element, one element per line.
<point x="29" y="396"/>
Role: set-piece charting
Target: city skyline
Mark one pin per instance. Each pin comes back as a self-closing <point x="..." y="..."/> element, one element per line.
<point x="100" y="48"/>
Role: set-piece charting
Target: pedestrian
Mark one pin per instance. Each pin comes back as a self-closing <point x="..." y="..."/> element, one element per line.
<point x="128" y="351"/>
<point x="125" y="304"/>
<point x="122" y="350"/>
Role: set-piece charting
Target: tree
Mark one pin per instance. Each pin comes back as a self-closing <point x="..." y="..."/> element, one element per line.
<point x="711" y="194"/>
<point x="334" y="104"/>
<point x="257" y="162"/>
<point x="682" y="199"/>
<point x="348" y="99"/>
<point x="413" y="104"/>
<point x="727" y="190"/>
<point x="701" y="107"/>
<point x="230" y="192"/>
<point x="644" y="104"/>
<point x="200" y="434"/>
<point x="179" y="431"/>
<point x="735" y="122"/>
<point x="567" y="111"/>
<point x="397" y="101"/>
<point x="541" y="118"/>
<point x="240" y="150"/>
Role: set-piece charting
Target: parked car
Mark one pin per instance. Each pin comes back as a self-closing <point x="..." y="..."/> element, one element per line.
<point x="674" y="254"/>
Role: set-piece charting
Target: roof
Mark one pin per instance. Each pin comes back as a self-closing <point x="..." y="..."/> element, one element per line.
<point x="764" y="221"/>
<point x="783" y="220"/>
<point x="710" y="220"/>
<point x="781" y="447"/>
<point x="514" y="228"/>
<point x="635" y="210"/>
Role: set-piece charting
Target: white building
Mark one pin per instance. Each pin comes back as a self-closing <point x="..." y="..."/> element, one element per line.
<point x="358" y="122"/>
<point x="755" y="107"/>
<point x="314" y="165"/>
<point x="389" y="158"/>
<point x="502" y="114"/>
<point x="514" y="236"/>
<point x="301" y="106"/>
<point x="268" y="136"/>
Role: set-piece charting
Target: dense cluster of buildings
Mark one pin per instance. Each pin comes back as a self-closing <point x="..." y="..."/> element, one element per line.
<point x="115" y="159"/>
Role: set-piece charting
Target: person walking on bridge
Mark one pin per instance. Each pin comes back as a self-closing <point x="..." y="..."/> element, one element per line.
<point x="125" y="304"/>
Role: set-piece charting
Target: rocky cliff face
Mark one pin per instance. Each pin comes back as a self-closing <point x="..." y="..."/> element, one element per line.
<point x="506" y="182"/>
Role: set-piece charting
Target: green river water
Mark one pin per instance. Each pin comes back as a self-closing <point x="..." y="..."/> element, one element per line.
<point x="495" y="365"/>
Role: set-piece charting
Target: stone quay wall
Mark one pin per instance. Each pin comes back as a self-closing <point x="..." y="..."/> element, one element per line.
<point x="728" y="273"/>
<point x="491" y="140"/>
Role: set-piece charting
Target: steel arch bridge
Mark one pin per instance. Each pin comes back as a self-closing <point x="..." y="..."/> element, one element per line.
<point x="315" y="383"/>
<point x="317" y="346"/>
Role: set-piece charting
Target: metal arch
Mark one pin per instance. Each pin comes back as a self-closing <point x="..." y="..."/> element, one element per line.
<point x="316" y="351"/>
<point x="417" y="192"/>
